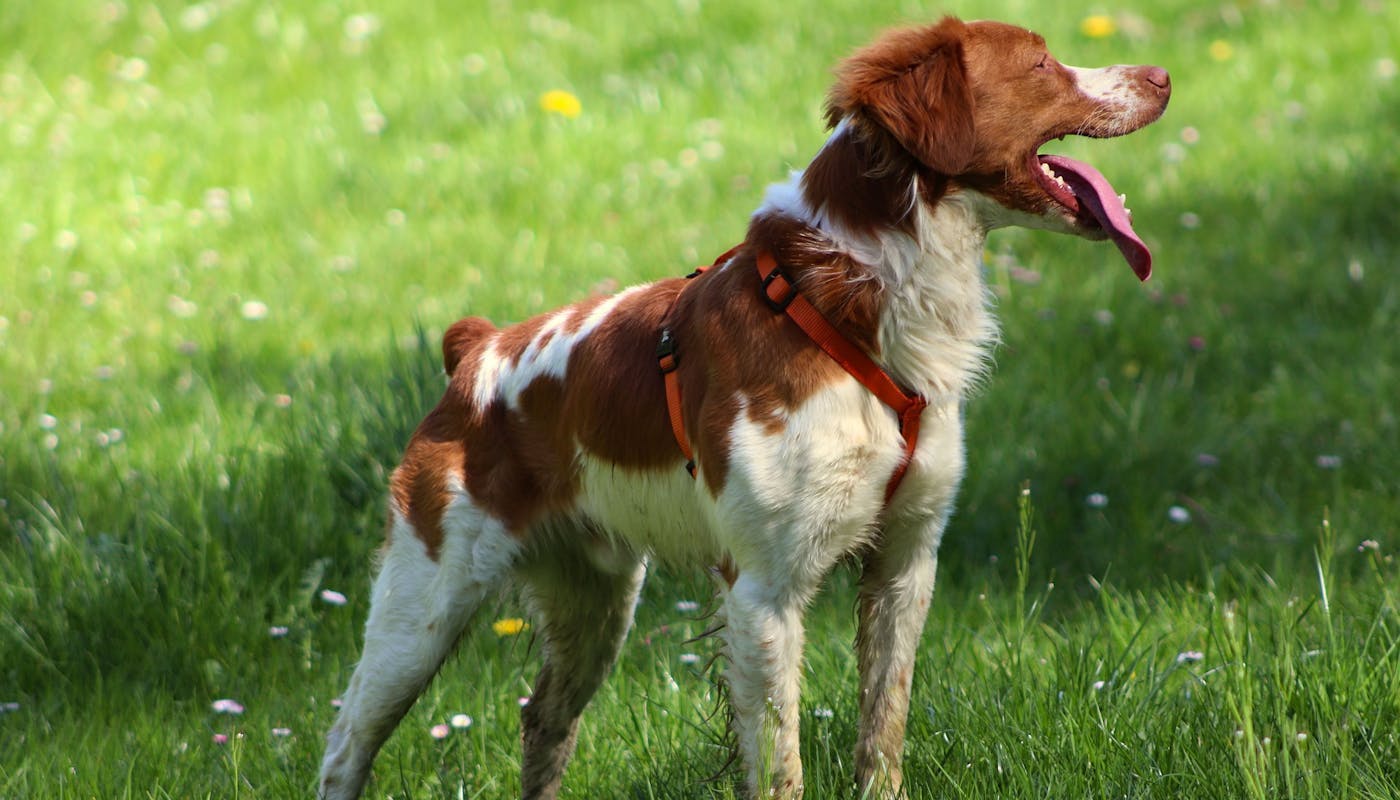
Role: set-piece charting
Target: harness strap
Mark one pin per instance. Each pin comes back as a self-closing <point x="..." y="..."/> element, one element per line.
<point x="782" y="296"/>
<point x="668" y="360"/>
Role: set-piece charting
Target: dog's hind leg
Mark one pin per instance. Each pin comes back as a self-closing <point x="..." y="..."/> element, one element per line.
<point x="583" y="597"/>
<point x="419" y="608"/>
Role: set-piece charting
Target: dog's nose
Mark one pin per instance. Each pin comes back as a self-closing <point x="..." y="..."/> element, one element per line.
<point x="1158" y="77"/>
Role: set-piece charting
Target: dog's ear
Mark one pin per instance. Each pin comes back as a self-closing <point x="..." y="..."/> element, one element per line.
<point x="913" y="83"/>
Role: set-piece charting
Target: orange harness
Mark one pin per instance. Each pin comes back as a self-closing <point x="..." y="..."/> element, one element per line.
<point x="782" y="296"/>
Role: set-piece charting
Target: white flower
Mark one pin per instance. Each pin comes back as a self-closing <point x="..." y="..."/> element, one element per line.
<point x="361" y="26"/>
<point x="1189" y="656"/>
<point x="132" y="69"/>
<point x="460" y="721"/>
<point x="1178" y="515"/>
<point x="254" y="310"/>
<point x="227" y="706"/>
<point x="332" y="597"/>
<point x="1097" y="500"/>
<point x="196" y="17"/>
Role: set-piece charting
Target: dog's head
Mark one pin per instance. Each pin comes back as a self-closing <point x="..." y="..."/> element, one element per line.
<point x="974" y="102"/>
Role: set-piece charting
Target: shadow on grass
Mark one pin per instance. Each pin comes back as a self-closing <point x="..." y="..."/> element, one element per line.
<point x="167" y="569"/>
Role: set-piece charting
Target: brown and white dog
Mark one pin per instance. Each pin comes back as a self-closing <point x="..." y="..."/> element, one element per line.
<point x="551" y="462"/>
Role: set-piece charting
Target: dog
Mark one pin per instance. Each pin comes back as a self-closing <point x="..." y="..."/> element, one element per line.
<point x="716" y="421"/>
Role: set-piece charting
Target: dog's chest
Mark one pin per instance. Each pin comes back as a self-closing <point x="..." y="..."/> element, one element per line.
<point x="816" y="481"/>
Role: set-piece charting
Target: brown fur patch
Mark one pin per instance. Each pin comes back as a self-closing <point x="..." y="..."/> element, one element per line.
<point x="464" y="336"/>
<point x="913" y="84"/>
<point x="419" y="487"/>
<point x="615" y="400"/>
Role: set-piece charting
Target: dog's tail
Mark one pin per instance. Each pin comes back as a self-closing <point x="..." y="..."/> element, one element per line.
<point x="463" y="337"/>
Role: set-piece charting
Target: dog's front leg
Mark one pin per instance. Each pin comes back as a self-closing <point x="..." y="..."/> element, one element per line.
<point x="764" y="634"/>
<point x="895" y="589"/>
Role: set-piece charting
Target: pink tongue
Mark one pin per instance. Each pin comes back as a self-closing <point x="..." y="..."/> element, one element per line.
<point x="1096" y="196"/>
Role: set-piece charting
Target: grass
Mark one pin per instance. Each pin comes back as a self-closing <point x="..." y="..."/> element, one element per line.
<point x="230" y="234"/>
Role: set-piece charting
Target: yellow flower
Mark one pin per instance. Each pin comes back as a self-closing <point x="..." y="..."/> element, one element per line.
<point x="1097" y="26"/>
<point x="509" y="627"/>
<point x="558" y="101"/>
<point x="1220" y="50"/>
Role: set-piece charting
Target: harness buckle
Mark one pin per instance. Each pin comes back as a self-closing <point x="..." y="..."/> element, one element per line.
<point x="778" y="304"/>
<point x="666" y="352"/>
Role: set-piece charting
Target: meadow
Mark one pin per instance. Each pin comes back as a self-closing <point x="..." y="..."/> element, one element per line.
<point x="231" y="233"/>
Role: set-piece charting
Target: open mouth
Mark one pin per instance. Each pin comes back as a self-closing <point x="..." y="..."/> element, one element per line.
<point x="1085" y="193"/>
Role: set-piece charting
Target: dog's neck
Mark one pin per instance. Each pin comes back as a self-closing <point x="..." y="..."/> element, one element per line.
<point x="914" y="236"/>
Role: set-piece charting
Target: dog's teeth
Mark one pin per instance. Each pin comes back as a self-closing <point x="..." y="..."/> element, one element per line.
<point x="1122" y="198"/>
<point x="1050" y="173"/>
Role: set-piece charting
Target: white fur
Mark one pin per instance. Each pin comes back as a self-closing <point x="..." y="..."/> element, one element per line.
<point x="1112" y="88"/>
<point x="829" y="446"/>
<point x="937" y="328"/>
<point x="547" y="354"/>
<point x="667" y="515"/>
<point x="418" y="609"/>
<point x="1102" y="85"/>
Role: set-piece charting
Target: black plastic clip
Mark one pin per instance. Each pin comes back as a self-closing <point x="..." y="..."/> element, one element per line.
<point x="666" y="352"/>
<point x="779" y="305"/>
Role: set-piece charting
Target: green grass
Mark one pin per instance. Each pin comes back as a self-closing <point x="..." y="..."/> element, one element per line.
<point x="180" y="471"/>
